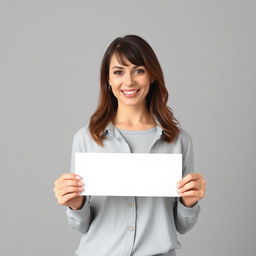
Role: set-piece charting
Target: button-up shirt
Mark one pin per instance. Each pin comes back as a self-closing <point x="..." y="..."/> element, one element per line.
<point x="136" y="226"/>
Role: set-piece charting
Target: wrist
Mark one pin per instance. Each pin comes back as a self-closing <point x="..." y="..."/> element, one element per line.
<point x="186" y="205"/>
<point x="75" y="208"/>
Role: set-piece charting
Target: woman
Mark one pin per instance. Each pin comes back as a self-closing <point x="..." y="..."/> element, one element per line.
<point x="132" y="116"/>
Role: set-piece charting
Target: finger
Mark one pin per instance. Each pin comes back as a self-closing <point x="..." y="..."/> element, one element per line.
<point x="187" y="178"/>
<point x="67" y="190"/>
<point x="62" y="200"/>
<point x="72" y="183"/>
<point x="66" y="185"/>
<point x="195" y="193"/>
<point x="192" y="185"/>
<point x="68" y="176"/>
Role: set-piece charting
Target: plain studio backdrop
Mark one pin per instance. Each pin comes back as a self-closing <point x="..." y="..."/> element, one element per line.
<point x="50" y="58"/>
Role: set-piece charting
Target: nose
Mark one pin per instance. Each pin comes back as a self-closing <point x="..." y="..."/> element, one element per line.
<point x="128" y="79"/>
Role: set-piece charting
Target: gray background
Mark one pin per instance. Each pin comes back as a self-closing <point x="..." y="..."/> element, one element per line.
<point x="49" y="74"/>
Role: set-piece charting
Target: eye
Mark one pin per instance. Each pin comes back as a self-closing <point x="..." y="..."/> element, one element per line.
<point x="117" y="72"/>
<point x="140" y="70"/>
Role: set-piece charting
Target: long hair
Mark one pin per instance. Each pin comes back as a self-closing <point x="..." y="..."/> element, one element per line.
<point x="140" y="53"/>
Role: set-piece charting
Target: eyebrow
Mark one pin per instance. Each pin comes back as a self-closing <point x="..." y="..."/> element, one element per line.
<point x="123" y="67"/>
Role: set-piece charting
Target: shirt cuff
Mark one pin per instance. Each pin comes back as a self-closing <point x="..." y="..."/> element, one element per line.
<point x="188" y="211"/>
<point x="79" y="213"/>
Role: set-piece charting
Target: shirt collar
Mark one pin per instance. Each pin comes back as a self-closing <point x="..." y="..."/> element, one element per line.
<point x="112" y="130"/>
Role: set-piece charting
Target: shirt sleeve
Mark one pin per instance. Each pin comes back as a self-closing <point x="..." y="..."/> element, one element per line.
<point x="186" y="217"/>
<point x="79" y="219"/>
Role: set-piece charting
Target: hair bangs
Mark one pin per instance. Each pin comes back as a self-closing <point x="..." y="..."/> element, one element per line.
<point x="129" y="52"/>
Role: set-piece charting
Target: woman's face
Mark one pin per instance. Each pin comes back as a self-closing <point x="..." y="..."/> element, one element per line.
<point x="130" y="84"/>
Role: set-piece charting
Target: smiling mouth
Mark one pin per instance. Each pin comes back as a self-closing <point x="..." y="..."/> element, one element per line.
<point x="130" y="93"/>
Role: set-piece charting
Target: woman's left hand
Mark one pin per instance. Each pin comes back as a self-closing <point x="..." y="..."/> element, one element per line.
<point x="191" y="189"/>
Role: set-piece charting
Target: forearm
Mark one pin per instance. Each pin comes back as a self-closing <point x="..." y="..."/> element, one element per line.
<point x="80" y="219"/>
<point x="185" y="217"/>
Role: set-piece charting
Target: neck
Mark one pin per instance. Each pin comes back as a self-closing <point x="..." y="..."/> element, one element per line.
<point x="132" y="115"/>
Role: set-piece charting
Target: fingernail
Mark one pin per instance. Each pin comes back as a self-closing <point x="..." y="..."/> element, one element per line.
<point x="80" y="183"/>
<point x="79" y="177"/>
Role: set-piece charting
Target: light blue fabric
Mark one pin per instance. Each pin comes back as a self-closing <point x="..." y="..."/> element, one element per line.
<point x="139" y="141"/>
<point x="137" y="226"/>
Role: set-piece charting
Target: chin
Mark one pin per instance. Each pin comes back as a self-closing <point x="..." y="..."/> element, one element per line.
<point x="131" y="104"/>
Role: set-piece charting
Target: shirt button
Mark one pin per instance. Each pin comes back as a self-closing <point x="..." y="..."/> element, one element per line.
<point x="131" y="228"/>
<point x="131" y="204"/>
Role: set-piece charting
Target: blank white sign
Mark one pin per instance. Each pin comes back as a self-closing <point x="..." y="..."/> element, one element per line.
<point x="129" y="174"/>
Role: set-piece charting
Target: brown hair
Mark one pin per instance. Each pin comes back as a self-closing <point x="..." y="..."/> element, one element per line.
<point x="140" y="53"/>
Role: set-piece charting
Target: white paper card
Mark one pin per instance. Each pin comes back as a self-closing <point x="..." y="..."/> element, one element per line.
<point x="129" y="174"/>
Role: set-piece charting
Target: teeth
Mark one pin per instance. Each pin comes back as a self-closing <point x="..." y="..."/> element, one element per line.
<point x="130" y="92"/>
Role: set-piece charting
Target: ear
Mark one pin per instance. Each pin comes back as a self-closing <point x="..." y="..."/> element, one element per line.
<point x="152" y="79"/>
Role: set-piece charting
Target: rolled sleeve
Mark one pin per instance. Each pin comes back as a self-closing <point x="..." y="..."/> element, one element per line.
<point x="188" y="212"/>
<point x="80" y="219"/>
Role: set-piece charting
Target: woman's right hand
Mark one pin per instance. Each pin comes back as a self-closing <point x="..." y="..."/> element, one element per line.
<point x="67" y="189"/>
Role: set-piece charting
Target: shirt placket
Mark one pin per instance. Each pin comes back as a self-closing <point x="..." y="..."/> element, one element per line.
<point x="131" y="202"/>
<point x="131" y="209"/>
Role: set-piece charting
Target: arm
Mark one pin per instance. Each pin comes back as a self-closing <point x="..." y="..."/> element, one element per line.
<point x="186" y="217"/>
<point x="79" y="219"/>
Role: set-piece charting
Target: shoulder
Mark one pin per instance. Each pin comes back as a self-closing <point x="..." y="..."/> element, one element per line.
<point x="82" y="140"/>
<point x="83" y="131"/>
<point x="184" y="135"/>
<point x="82" y="134"/>
<point x="185" y="138"/>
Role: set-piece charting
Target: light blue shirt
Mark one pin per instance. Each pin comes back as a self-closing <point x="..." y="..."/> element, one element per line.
<point x="137" y="226"/>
